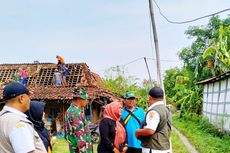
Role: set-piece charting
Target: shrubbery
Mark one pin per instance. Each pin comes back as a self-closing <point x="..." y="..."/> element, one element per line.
<point x="204" y="125"/>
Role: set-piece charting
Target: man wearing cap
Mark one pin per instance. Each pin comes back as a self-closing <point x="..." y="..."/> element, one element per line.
<point x="156" y="131"/>
<point x="61" y="62"/>
<point x="57" y="78"/>
<point x="132" y="116"/>
<point x="16" y="131"/>
<point x="76" y="126"/>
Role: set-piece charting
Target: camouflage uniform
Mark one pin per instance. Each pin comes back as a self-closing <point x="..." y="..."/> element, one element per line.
<point x="76" y="130"/>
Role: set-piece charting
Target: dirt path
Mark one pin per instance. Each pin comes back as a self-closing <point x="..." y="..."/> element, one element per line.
<point x="188" y="145"/>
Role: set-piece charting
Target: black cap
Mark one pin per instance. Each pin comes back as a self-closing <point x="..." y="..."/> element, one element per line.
<point x="13" y="90"/>
<point x="156" y="92"/>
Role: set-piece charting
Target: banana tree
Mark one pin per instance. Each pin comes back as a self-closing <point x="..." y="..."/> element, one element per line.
<point x="188" y="95"/>
<point x="218" y="54"/>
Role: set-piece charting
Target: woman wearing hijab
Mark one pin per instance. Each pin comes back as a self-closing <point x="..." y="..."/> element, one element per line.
<point x="112" y="132"/>
<point x="35" y="115"/>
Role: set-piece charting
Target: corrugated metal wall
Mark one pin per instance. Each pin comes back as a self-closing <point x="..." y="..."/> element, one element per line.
<point x="216" y="103"/>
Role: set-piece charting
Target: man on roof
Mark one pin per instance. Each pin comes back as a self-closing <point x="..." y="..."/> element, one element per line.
<point x="61" y="62"/>
<point x="60" y="59"/>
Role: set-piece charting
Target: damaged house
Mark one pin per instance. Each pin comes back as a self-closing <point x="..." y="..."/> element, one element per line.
<point x="58" y="98"/>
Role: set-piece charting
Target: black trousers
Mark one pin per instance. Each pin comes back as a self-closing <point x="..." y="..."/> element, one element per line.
<point x="134" y="150"/>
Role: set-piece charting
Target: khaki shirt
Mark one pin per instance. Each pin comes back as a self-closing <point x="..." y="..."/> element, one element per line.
<point x="13" y="125"/>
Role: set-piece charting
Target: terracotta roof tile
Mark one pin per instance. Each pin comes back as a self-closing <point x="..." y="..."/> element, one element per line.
<point x="40" y="80"/>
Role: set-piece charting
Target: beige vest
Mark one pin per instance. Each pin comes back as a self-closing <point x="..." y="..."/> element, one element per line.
<point x="7" y="122"/>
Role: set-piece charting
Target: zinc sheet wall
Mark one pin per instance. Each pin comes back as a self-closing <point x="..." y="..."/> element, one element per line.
<point x="216" y="103"/>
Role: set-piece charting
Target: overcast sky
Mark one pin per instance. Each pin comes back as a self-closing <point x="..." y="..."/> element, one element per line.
<point x="101" y="33"/>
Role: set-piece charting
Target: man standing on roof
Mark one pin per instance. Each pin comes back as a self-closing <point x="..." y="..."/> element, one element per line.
<point x="23" y="75"/>
<point x="60" y="60"/>
<point x="57" y="78"/>
<point x="16" y="76"/>
<point x="132" y="116"/>
<point x="77" y="132"/>
<point x="65" y="72"/>
<point x="157" y="126"/>
<point x="60" y="63"/>
<point x="16" y="131"/>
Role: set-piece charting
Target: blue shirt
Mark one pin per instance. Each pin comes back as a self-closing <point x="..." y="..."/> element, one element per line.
<point x="132" y="125"/>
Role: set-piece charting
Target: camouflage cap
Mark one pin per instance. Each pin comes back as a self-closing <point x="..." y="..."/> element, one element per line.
<point x="80" y="92"/>
<point x="128" y="95"/>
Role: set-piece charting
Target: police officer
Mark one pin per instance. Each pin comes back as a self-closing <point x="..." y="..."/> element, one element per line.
<point x="76" y="126"/>
<point x="156" y="132"/>
<point x="16" y="131"/>
<point x="132" y="116"/>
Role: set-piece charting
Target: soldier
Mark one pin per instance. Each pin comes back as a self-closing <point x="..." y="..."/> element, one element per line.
<point x="76" y="126"/>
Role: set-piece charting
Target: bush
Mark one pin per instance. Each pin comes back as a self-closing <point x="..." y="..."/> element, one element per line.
<point x="204" y="124"/>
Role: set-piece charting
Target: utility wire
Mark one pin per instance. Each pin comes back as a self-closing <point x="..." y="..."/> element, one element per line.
<point x="146" y="58"/>
<point x="163" y="60"/>
<point x="188" y="21"/>
<point x="135" y="60"/>
<point x="131" y="62"/>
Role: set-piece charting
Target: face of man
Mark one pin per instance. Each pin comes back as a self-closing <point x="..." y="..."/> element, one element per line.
<point x="152" y="100"/>
<point x="130" y="102"/>
<point x="25" y="102"/>
<point x="83" y="102"/>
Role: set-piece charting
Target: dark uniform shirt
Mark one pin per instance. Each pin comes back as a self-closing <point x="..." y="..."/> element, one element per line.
<point x="107" y="133"/>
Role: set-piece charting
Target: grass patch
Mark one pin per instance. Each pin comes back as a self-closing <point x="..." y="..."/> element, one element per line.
<point x="61" y="146"/>
<point x="203" y="139"/>
<point x="177" y="145"/>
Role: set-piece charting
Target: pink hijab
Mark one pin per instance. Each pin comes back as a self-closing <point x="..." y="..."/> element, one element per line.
<point x="112" y="111"/>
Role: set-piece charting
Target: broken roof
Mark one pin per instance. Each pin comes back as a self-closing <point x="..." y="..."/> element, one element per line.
<point x="40" y="75"/>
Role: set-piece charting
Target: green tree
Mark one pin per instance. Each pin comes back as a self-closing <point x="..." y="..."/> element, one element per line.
<point x="116" y="81"/>
<point x="205" y="36"/>
<point x="169" y="83"/>
<point x="211" y="44"/>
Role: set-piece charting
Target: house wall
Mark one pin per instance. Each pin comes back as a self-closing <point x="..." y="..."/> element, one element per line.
<point x="216" y="103"/>
<point x="55" y="111"/>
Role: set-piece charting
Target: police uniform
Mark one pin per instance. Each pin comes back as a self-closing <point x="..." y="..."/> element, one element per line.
<point x="17" y="133"/>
